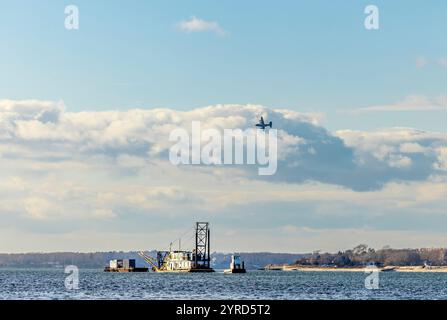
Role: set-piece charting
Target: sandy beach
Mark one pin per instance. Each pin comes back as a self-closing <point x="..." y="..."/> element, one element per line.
<point x="358" y="269"/>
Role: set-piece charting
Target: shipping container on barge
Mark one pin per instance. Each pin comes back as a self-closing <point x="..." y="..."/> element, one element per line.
<point x="124" y="265"/>
<point x="196" y="260"/>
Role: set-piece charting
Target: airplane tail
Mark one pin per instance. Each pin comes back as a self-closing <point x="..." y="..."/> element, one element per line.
<point x="270" y="124"/>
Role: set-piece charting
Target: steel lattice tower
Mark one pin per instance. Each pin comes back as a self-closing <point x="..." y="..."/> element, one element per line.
<point x="202" y="252"/>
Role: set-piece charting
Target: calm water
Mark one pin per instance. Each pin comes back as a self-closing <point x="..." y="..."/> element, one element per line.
<point x="95" y="284"/>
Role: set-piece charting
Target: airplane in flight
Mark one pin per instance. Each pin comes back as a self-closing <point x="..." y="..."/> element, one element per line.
<point x="263" y="125"/>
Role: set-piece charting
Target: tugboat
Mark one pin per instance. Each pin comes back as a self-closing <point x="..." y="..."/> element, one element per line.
<point x="236" y="266"/>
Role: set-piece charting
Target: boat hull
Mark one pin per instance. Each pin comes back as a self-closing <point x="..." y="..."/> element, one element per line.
<point x="125" y="270"/>
<point x="186" y="270"/>
<point x="235" y="271"/>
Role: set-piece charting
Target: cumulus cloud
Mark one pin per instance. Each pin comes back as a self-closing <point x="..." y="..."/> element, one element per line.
<point x="442" y="159"/>
<point x="198" y="25"/>
<point x="414" y="154"/>
<point x="412" y="147"/>
<point x="92" y="168"/>
<point x="135" y="138"/>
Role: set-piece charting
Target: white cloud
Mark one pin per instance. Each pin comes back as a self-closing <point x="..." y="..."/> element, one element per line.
<point x="104" y="213"/>
<point x="412" y="147"/>
<point x="442" y="159"/>
<point x="198" y="25"/>
<point x="442" y="62"/>
<point x="399" y="161"/>
<point x="39" y="208"/>
<point x="421" y="62"/>
<point x="134" y="138"/>
<point x="410" y="103"/>
<point x="110" y="170"/>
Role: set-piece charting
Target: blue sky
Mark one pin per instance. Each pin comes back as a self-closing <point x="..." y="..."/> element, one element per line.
<point x="312" y="56"/>
<point x="360" y="113"/>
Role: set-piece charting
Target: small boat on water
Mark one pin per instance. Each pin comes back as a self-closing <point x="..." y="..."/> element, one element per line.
<point x="273" y="267"/>
<point x="236" y="266"/>
<point x="388" y="269"/>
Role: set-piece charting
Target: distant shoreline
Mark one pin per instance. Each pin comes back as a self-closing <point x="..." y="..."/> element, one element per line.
<point x="356" y="269"/>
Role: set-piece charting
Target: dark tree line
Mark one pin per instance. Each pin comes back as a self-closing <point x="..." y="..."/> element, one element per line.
<point x="362" y="255"/>
<point x="61" y="259"/>
<point x="95" y="260"/>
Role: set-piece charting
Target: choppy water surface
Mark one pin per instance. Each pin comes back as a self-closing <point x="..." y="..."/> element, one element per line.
<point x="95" y="284"/>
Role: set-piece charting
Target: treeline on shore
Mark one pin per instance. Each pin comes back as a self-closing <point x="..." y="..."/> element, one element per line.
<point x="95" y="260"/>
<point x="363" y="255"/>
<point x="358" y="256"/>
<point x="61" y="259"/>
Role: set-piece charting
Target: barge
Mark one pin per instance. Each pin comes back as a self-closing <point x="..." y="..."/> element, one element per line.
<point x="195" y="260"/>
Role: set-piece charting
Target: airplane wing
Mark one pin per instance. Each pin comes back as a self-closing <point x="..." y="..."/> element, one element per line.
<point x="262" y="121"/>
